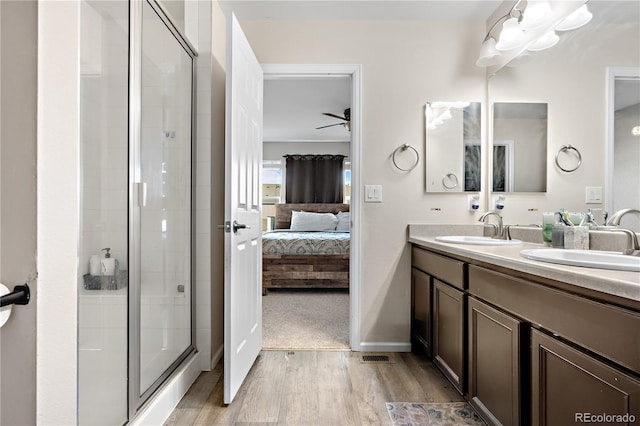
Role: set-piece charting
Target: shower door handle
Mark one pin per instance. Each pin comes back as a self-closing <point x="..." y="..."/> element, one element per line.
<point x="142" y="193"/>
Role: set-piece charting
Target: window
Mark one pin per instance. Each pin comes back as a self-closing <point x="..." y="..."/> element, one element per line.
<point x="272" y="181"/>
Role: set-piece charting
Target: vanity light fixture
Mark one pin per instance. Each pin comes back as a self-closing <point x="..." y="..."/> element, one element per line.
<point x="517" y="26"/>
<point x="635" y="131"/>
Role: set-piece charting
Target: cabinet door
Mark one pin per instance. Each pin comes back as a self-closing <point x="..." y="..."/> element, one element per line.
<point x="494" y="364"/>
<point x="568" y="386"/>
<point x="421" y="310"/>
<point x="448" y="332"/>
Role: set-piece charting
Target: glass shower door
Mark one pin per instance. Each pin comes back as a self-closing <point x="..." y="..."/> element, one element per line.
<point x="165" y="200"/>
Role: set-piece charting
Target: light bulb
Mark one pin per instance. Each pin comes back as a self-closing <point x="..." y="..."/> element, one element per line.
<point x="489" y="55"/>
<point x="535" y="14"/>
<point x="577" y="19"/>
<point x="511" y="36"/>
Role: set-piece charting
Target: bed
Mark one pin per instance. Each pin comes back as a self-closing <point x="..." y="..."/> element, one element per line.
<point x="307" y="259"/>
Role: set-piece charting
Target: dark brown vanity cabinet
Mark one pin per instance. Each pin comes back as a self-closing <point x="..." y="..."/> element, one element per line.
<point x="438" y="316"/>
<point x="524" y="349"/>
<point x="421" y="310"/>
<point x="494" y="364"/>
<point x="569" y="385"/>
<point x="448" y="332"/>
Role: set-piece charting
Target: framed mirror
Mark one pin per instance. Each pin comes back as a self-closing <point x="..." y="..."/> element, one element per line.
<point x="453" y="134"/>
<point x="571" y="78"/>
<point x="519" y="147"/>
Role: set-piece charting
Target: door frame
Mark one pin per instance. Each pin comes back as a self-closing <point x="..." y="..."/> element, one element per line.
<point x="354" y="71"/>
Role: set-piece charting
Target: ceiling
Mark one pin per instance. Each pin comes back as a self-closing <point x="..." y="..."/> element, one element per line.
<point x="293" y="109"/>
<point x="458" y="10"/>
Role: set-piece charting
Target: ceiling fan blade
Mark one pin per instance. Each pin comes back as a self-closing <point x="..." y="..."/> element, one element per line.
<point x="335" y="116"/>
<point x="330" y="125"/>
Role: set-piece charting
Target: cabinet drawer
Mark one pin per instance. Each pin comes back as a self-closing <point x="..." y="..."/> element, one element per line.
<point x="608" y="330"/>
<point x="446" y="269"/>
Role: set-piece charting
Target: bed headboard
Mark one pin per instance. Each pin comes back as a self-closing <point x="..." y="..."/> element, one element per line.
<point x="283" y="211"/>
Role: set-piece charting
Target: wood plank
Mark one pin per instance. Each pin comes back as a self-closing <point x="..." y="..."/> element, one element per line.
<point x="369" y="391"/>
<point x="337" y="403"/>
<point x="264" y="392"/>
<point x="299" y="403"/>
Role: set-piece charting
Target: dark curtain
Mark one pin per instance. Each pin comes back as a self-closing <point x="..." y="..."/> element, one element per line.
<point x="314" y="178"/>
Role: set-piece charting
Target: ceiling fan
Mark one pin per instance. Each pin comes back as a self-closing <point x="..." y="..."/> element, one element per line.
<point x="346" y="118"/>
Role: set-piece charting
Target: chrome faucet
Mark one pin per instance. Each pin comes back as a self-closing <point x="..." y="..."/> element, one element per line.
<point x="500" y="234"/>
<point x="614" y="220"/>
<point x="633" y="248"/>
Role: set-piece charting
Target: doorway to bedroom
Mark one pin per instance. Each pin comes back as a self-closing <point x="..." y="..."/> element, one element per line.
<point x="306" y="211"/>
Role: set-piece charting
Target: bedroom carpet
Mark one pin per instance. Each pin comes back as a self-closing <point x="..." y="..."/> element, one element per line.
<point x="305" y="319"/>
<point x="441" y="414"/>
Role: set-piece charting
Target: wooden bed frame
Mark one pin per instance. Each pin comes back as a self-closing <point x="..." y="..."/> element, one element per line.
<point x="304" y="271"/>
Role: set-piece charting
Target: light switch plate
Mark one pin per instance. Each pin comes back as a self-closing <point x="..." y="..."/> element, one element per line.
<point x="593" y="194"/>
<point x="373" y="193"/>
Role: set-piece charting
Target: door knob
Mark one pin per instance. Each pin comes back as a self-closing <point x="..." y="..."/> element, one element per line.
<point x="227" y="226"/>
<point x="237" y="226"/>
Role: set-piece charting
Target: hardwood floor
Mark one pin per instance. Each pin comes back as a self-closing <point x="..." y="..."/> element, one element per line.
<point x="315" y="388"/>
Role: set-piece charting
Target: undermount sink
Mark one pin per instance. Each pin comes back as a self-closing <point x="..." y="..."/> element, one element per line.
<point x="480" y="241"/>
<point x="585" y="258"/>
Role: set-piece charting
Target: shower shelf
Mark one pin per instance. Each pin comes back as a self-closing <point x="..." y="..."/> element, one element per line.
<point x="106" y="282"/>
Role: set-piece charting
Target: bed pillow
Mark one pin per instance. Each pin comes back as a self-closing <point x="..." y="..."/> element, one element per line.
<point x="308" y="221"/>
<point x="344" y="222"/>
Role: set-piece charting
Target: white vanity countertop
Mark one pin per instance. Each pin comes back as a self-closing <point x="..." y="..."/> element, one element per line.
<point x="618" y="283"/>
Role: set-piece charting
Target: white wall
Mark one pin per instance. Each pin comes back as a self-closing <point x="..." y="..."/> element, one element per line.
<point x="18" y="25"/>
<point x="405" y="64"/>
<point x="276" y="150"/>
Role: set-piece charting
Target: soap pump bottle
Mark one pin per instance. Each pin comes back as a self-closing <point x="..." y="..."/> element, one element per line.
<point x="108" y="264"/>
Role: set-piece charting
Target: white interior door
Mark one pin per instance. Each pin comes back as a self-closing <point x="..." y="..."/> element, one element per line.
<point x="243" y="238"/>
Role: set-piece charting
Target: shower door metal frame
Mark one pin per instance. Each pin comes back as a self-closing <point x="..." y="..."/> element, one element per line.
<point x="136" y="400"/>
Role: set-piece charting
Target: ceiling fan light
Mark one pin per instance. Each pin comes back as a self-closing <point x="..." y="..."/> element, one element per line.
<point x="511" y="35"/>
<point x="545" y="41"/>
<point x="535" y="14"/>
<point x="577" y="19"/>
<point x="489" y="55"/>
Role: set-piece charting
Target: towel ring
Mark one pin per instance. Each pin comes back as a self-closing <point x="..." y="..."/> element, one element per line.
<point x="452" y="178"/>
<point x="566" y="148"/>
<point x="403" y="148"/>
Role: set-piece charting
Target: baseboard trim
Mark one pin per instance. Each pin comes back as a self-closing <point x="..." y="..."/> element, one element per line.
<point x="385" y="347"/>
<point x="167" y="398"/>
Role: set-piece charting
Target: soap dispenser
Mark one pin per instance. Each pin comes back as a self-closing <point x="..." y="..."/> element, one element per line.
<point x="108" y="264"/>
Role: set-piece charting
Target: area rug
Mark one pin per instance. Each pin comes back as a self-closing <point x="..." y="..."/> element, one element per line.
<point x="305" y="320"/>
<point x="431" y="413"/>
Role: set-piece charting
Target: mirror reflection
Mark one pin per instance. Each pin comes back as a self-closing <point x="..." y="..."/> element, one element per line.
<point x="571" y="78"/>
<point x="453" y="153"/>
<point x="519" y="147"/>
